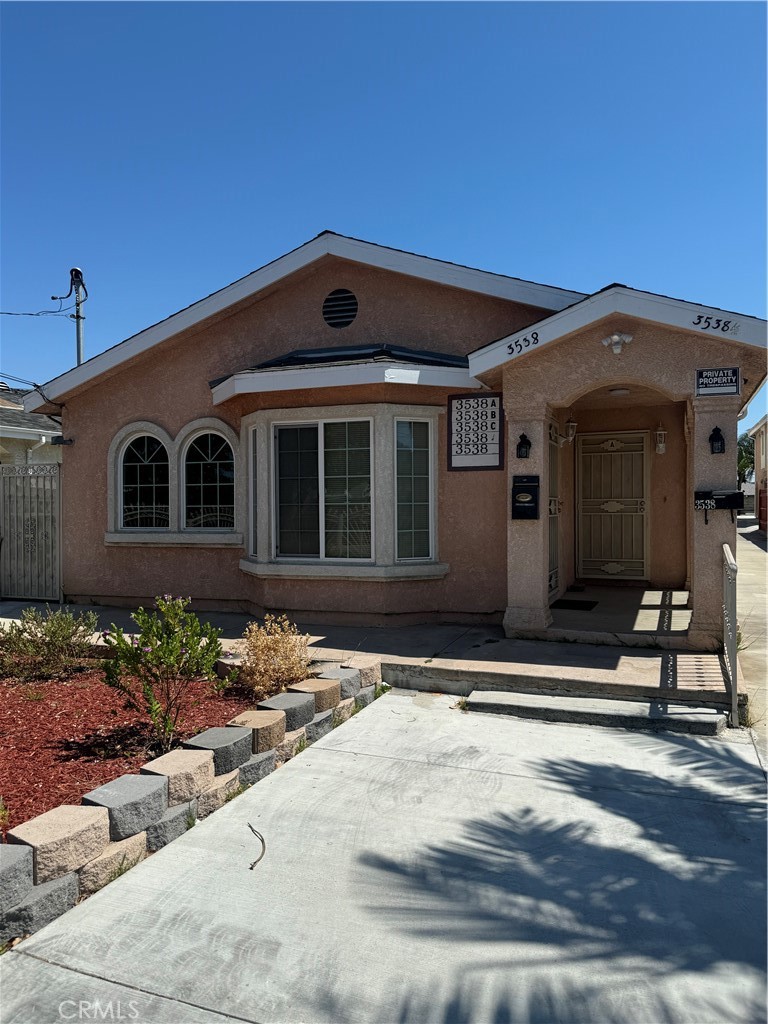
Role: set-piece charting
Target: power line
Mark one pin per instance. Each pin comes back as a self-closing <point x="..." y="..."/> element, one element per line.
<point x="42" y="312"/>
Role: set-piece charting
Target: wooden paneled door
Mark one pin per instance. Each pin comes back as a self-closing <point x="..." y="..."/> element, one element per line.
<point x="612" y="528"/>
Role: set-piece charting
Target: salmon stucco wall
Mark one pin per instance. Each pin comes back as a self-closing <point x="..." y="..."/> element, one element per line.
<point x="169" y="388"/>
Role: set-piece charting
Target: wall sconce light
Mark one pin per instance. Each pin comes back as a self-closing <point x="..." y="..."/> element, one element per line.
<point x="616" y="341"/>
<point x="570" y="430"/>
<point x="716" y="442"/>
<point x="524" y="447"/>
<point x="660" y="436"/>
<point x="60" y="439"/>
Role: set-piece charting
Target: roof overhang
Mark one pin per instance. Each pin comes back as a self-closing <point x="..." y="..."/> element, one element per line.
<point x="256" y="382"/>
<point x="28" y="433"/>
<point x="618" y="299"/>
<point x="327" y="244"/>
<point x="760" y="425"/>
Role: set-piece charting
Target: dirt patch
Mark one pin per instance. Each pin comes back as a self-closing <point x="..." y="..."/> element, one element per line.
<point x="62" y="738"/>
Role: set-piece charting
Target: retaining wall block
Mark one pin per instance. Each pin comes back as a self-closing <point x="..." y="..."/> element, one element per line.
<point x="16" y="867"/>
<point x="114" y="861"/>
<point x="257" y="768"/>
<point x="327" y="692"/>
<point x="174" y="823"/>
<point x="267" y="727"/>
<point x="349" y="679"/>
<point x="369" y="667"/>
<point x="231" y="747"/>
<point x="225" y="665"/>
<point x="290" y="745"/>
<point x="366" y="696"/>
<point x="63" y="839"/>
<point x="133" y="802"/>
<point x="321" y="724"/>
<point x="215" y="796"/>
<point x="343" y="711"/>
<point x="189" y="772"/>
<point x="299" y="708"/>
<point x="44" y="904"/>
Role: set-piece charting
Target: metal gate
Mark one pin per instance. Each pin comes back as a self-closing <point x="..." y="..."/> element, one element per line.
<point x="613" y="488"/>
<point x="29" y="532"/>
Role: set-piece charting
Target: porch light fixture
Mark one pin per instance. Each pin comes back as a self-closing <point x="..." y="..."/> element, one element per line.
<point x="716" y="442"/>
<point x="570" y="430"/>
<point x="660" y="436"/>
<point x="616" y="341"/>
<point x="524" y="447"/>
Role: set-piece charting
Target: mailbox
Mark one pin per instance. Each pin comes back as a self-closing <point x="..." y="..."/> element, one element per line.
<point x="525" y="497"/>
<point x="710" y="500"/>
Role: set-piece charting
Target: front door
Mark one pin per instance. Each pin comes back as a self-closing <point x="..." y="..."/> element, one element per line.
<point x="611" y="506"/>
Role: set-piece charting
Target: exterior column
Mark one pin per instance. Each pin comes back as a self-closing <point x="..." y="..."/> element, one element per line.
<point x="528" y="539"/>
<point x="711" y="472"/>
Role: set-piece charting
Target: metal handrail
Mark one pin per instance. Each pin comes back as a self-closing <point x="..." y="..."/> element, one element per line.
<point x="730" y="630"/>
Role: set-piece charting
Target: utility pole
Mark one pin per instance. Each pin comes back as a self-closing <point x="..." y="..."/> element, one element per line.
<point x="76" y="285"/>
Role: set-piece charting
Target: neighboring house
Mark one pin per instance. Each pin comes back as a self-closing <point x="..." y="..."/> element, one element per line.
<point x="25" y="438"/>
<point x="760" y="434"/>
<point x="302" y="440"/>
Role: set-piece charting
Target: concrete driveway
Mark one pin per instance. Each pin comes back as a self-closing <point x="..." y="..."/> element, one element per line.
<point x="429" y="865"/>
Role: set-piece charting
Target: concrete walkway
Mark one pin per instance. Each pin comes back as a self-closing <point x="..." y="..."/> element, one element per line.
<point x="432" y="866"/>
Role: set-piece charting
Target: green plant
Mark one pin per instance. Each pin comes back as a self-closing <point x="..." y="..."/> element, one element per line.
<point x="41" y="645"/>
<point x="191" y="820"/>
<point x="124" y="865"/>
<point x="153" y="669"/>
<point x="275" y="655"/>
<point x="301" y="746"/>
<point x="237" y="791"/>
<point x="381" y="689"/>
<point x="220" y="686"/>
<point x="462" y="704"/>
<point x="5" y="815"/>
<point x="745" y="457"/>
<point x="33" y="693"/>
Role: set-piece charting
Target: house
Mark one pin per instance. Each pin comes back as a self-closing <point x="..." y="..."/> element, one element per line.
<point x="760" y="433"/>
<point x="25" y="438"/>
<point x="358" y="434"/>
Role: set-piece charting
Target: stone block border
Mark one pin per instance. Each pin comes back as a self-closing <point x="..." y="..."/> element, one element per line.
<point x="70" y="852"/>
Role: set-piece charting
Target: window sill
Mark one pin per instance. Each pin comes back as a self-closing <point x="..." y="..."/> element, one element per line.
<point x="354" y="571"/>
<point x="169" y="538"/>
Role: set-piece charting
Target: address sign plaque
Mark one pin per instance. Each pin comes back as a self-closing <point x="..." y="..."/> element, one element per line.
<point x="476" y="431"/>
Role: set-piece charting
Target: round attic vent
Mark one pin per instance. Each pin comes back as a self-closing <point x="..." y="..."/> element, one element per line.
<point x="340" y="308"/>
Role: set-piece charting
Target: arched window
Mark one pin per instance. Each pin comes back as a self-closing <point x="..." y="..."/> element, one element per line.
<point x="146" y="485"/>
<point x="209" y="484"/>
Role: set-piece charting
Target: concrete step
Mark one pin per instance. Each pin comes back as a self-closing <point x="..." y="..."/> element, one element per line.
<point x="618" y="714"/>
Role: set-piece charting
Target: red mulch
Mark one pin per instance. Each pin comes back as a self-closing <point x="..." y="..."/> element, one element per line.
<point x="62" y="738"/>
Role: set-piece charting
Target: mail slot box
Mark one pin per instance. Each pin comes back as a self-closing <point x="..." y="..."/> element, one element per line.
<point x="525" y="497"/>
<point x="729" y="499"/>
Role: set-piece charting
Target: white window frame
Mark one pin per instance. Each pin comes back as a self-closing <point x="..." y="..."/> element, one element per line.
<point x="258" y="432"/>
<point x="174" y="535"/>
<point x="320" y="424"/>
<point x="183" y="450"/>
<point x="432" y="488"/>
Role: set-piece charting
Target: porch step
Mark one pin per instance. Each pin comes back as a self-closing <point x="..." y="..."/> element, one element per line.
<point x="655" y="715"/>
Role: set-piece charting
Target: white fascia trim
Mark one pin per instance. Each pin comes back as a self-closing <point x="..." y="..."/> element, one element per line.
<point x="28" y="433"/>
<point x="339" y="571"/>
<point x="254" y="382"/>
<point x="422" y="267"/>
<point x="643" y="305"/>
<point x="754" y="431"/>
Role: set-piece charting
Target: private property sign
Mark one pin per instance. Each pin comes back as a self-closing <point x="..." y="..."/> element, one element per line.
<point x="720" y="380"/>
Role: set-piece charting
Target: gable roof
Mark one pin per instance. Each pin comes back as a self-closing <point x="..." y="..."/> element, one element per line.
<point x="325" y="244"/>
<point x="618" y="298"/>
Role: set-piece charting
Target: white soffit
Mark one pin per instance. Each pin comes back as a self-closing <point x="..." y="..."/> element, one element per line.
<point x="689" y="316"/>
<point x="253" y="382"/>
<point x="327" y="244"/>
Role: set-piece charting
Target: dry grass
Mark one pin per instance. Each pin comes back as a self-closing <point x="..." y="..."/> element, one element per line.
<point x="275" y="655"/>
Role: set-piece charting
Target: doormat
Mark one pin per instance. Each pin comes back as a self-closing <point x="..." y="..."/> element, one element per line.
<point x="574" y="605"/>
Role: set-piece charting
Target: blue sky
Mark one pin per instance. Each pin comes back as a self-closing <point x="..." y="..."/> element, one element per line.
<point x="168" y="149"/>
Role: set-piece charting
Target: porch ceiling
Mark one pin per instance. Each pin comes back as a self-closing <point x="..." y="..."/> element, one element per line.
<point x="605" y="398"/>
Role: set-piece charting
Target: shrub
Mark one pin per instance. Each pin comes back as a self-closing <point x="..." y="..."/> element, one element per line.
<point x="153" y="669"/>
<point x="275" y="655"/>
<point x="41" y="645"/>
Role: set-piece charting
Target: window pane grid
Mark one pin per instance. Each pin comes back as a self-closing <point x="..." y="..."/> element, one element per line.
<point x="146" y="494"/>
<point x="413" y="490"/>
<point x="298" y="487"/>
<point x="209" y="473"/>
<point x="347" y="491"/>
